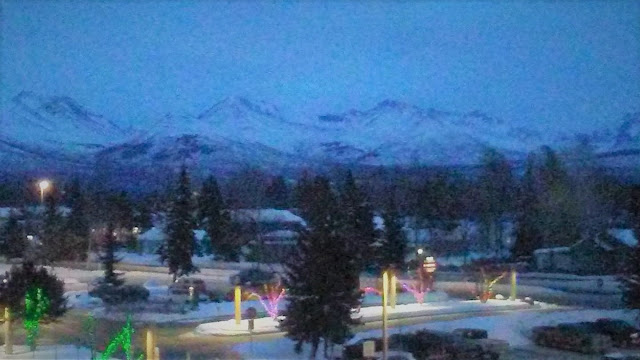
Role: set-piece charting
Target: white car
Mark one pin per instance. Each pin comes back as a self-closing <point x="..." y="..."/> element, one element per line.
<point x="394" y="355"/>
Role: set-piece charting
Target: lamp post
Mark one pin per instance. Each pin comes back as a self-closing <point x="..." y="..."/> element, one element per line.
<point x="43" y="185"/>
<point x="385" y="295"/>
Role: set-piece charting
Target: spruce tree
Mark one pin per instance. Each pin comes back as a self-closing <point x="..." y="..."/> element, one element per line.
<point x="528" y="236"/>
<point x="178" y="249"/>
<point x="53" y="232"/>
<point x="496" y="190"/>
<point x="215" y="219"/>
<point x="13" y="242"/>
<point x="108" y="257"/>
<point x="322" y="277"/>
<point x="358" y="222"/>
<point x="277" y="194"/>
<point x="393" y="249"/>
<point x="77" y="223"/>
<point x="630" y="280"/>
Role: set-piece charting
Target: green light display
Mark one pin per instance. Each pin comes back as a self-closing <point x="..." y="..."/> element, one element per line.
<point x="36" y="304"/>
<point x="122" y="339"/>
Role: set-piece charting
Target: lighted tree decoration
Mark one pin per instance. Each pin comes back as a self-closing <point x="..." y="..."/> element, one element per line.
<point x="36" y="304"/>
<point x="121" y="340"/>
<point x="487" y="284"/>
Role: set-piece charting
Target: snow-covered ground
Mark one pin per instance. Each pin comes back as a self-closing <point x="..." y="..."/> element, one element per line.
<point x="514" y="328"/>
<point x="367" y="314"/>
<point x="49" y="352"/>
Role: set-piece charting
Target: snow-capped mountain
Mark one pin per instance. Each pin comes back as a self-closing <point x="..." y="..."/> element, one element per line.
<point x="57" y="121"/>
<point x="237" y="132"/>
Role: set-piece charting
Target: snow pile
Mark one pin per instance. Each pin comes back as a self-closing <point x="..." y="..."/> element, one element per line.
<point x="49" y="352"/>
<point x="514" y="328"/>
<point x="368" y="314"/>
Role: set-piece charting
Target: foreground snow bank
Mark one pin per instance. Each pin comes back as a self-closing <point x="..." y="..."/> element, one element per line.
<point x="514" y="328"/>
<point x="46" y="352"/>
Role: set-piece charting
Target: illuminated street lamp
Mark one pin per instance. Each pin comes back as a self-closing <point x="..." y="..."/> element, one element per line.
<point x="420" y="251"/>
<point x="43" y="185"/>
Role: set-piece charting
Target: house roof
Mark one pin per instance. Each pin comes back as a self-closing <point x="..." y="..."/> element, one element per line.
<point x="158" y="234"/>
<point x="266" y="216"/>
<point x="625" y="236"/>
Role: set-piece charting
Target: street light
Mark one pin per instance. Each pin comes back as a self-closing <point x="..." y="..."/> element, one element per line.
<point x="43" y="185"/>
<point x="420" y="251"/>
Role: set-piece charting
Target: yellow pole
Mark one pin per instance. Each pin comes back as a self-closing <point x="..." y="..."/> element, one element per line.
<point x="156" y="353"/>
<point x="385" y="295"/>
<point x="394" y="285"/>
<point x="8" y="332"/>
<point x="514" y="284"/>
<point x="237" y="299"/>
<point x="150" y="350"/>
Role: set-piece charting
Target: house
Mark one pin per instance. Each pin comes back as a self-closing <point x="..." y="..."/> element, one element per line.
<point x="271" y="234"/>
<point x="150" y="240"/>
<point x="603" y="254"/>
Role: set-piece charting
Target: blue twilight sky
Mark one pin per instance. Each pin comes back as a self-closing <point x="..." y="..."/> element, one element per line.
<point x="561" y="65"/>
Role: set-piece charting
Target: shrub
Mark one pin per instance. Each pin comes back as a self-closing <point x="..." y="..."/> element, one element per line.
<point x="27" y="276"/>
<point x="120" y="294"/>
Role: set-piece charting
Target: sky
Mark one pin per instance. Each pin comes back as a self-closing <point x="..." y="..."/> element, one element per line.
<point x="568" y="65"/>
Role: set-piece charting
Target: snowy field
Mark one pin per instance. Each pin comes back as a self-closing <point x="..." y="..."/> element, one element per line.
<point x="514" y="328"/>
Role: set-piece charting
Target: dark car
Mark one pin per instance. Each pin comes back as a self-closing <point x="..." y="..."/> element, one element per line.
<point x="581" y="337"/>
<point x="622" y="333"/>
<point x="253" y="277"/>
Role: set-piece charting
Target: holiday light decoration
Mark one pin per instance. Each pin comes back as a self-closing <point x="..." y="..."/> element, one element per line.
<point x="371" y="290"/>
<point x="122" y="339"/>
<point x="270" y="301"/>
<point x="417" y="292"/>
<point x="36" y="304"/>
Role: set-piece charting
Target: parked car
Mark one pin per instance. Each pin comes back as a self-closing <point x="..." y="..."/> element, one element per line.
<point x="574" y="337"/>
<point x="394" y="355"/>
<point x="622" y="333"/>
<point x="622" y="355"/>
<point x="182" y="285"/>
<point x="253" y="277"/>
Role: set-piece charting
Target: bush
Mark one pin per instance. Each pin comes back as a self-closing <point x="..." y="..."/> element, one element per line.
<point x="120" y="294"/>
<point x="22" y="278"/>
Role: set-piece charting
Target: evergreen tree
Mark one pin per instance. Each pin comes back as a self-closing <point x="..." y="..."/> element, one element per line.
<point x="215" y="219"/>
<point x="528" y="236"/>
<point x="77" y="223"/>
<point x="53" y="232"/>
<point x="394" y="242"/>
<point x="108" y="257"/>
<point x="322" y="277"/>
<point x="358" y="222"/>
<point x="496" y="190"/>
<point x="142" y="216"/>
<point x="277" y="194"/>
<point x="178" y="248"/>
<point x="631" y="279"/>
<point x="13" y="242"/>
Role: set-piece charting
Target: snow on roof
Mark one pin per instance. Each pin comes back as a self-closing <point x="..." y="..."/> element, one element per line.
<point x="552" y="250"/>
<point x="266" y="216"/>
<point x="5" y="211"/>
<point x="282" y="234"/>
<point x="625" y="236"/>
<point x="154" y="234"/>
<point x="158" y="234"/>
<point x="378" y="223"/>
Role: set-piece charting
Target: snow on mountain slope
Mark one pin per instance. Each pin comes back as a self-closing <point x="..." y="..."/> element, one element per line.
<point x="56" y="123"/>
<point x="239" y="119"/>
<point x="629" y="132"/>
<point x="209" y="151"/>
<point x="237" y="131"/>
<point x="400" y="133"/>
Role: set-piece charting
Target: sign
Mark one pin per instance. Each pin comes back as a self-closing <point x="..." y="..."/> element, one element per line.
<point x="251" y="313"/>
<point x="429" y="264"/>
<point x="368" y="349"/>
